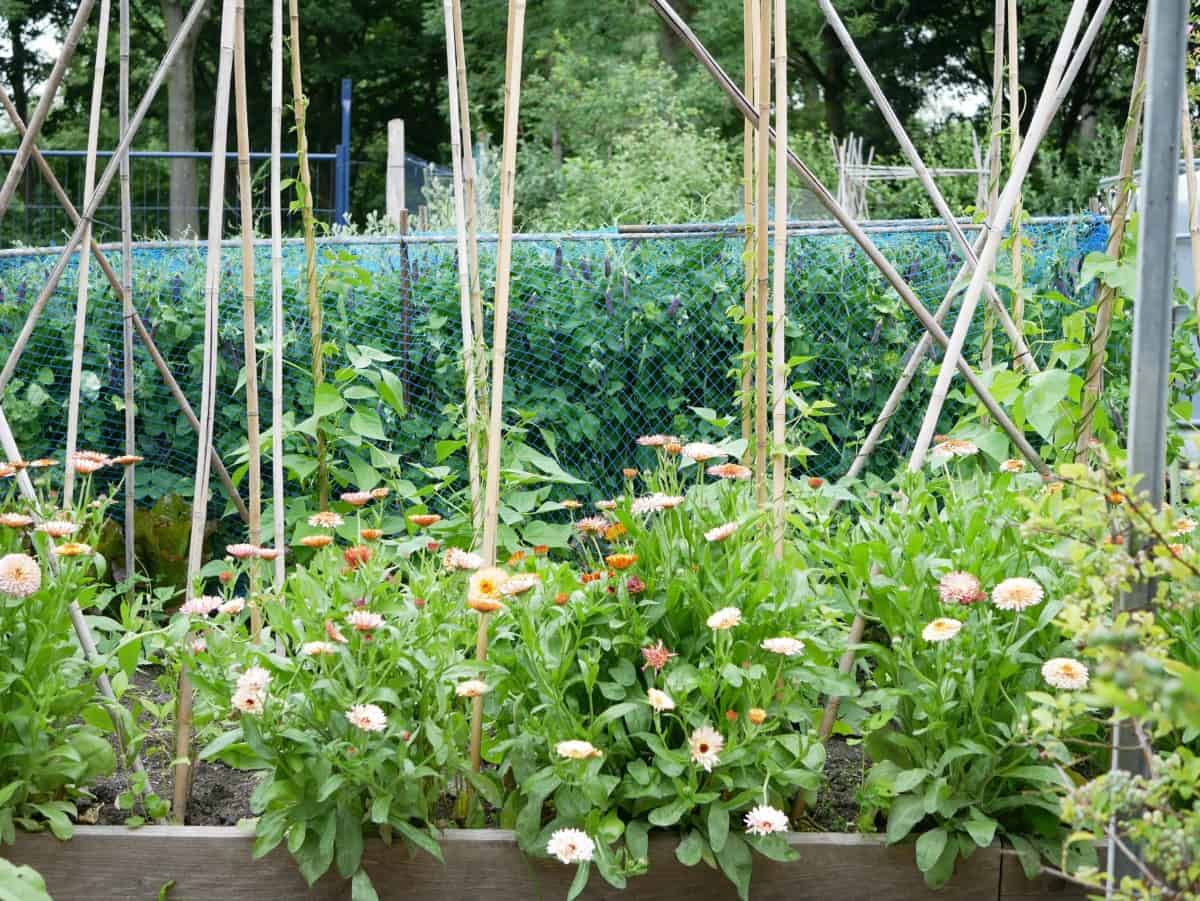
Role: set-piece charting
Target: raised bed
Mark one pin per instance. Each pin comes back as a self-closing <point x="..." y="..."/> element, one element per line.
<point x="213" y="863"/>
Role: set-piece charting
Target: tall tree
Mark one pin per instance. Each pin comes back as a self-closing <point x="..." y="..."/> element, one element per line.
<point x="181" y="123"/>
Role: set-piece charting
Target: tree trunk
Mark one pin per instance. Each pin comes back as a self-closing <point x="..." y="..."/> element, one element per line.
<point x="181" y="126"/>
<point x="833" y="84"/>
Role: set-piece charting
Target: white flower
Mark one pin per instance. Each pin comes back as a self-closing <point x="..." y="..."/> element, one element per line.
<point x="58" y="528"/>
<point x="706" y="745"/>
<point x="20" y="575"/>
<point x="326" y="519"/>
<point x="1184" y="525"/>
<point x="364" y="620"/>
<point x="766" y="820"/>
<point x="652" y="503"/>
<point x="248" y="701"/>
<point x="700" y="451"/>
<point x="788" y="647"/>
<point x="659" y="700"/>
<point x="1017" y="594"/>
<point x="519" y="584"/>
<point x="960" y="588"/>
<point x="367" y="717"/>
<point x="1013" y="465"/>
<point x="317" y="648"/>
<point x="952" y="447"/>
<point x="201" y="606"/>
<point x="233" y="606"/>
<point x="570" y="846"/>
<point x="1063" y="672"/>
<point x="576" y="749"/>
<point x="255" y="679"/>
<point x="457" y="558"/>
<point x="720" y="533"/>
<point x="725" y="618"/>
<point x="472" y="688"/>
<point x="941" y="629"/>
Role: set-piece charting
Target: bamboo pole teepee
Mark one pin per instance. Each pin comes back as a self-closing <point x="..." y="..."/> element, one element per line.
<point x="750" y="22"/>
<point x="277" y="500"/>
<point x="1014" y="137"/>
<point x="779" y="368"/>
<point x="993" y="155"/>
<point x="126" y="294"/>
<point x="762" y="175"/>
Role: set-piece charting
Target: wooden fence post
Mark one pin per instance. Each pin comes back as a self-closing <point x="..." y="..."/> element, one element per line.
<point x="395" y="170"/>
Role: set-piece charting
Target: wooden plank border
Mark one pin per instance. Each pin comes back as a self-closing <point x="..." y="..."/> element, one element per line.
<point x="206" y="863"/>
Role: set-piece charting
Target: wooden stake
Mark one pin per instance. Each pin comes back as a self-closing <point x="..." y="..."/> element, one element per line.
<point x="779" y="367"/>
<point x="508" y="176"/>
<point x="1014" y="124"/>
<point x="249" y="327"/>
<point x="212" y="292"/>
<point x="70" y="42"/>
<point x="464" y="263"/>
<point x="300" y="107"/>
<point x="81" y="296"/>
<point x="750" y="23"/>
<point x="761" y="248"/>
<point x="126" y="294"/>
<point x="278" y="512"/>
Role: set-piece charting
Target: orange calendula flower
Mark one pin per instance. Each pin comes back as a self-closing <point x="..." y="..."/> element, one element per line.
<point x="730" y="471"/>
<point x="128" y="459"/>
<point x="1115" y="497"/>
<point x="356" y="556"/>
<point x="615" y="531"/>
<point x="561" y="598"/>
<point x="333" y="633"/>
<point x="541" y="550"/>
<point x="356" y="498"/>
<point x="674" y="448"/>
<point x="515" y="557"/>
<point x="371" y="534"/>
<point x="756" y="715"/>
<point x="629" y="472"/>
<point x="424" y="520"/>
<point x="621" y="561"/>
<point x="317" y="541"/>
<point x="815" y="482"/>
<point x="73" y="549"/>
<point x="585" y="578"/>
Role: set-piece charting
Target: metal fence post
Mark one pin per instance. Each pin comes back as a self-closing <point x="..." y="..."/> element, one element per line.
<point x="341" y="179"/>
<point x="1151" y="364"/>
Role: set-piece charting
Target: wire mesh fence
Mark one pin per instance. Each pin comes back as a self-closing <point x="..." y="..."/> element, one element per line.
<point x="611" y="336"/>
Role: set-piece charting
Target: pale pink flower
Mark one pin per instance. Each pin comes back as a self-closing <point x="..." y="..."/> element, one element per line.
<point x="576" y="749"/>
<point x="519" y="584"/>
<point x="367" y="717"/>
<point x="326" y="519"/>
<point x="16" y="520"/>
<point x="654" y="502"/>
<point x="960" y="588"/>
<point x="201" y="606"/>
<point x="1184" y="525"/>
<point x="1065" y="673"/>
<point x="706" y="744"/>
<point x="1017" y="594"/>
<point x="333" y="633"/>
<point x="725" y="618"/>
<point x="233" y="606"/>
<point x="765" y="820"/>
<point x="472" y="688"/>
<point x="318" y="649"/>
<point x="241" y="551"/>
<point x="659" y="700"/>
<point x="592" y="525"/>
<point x="357" y="498"/>
<point x="20" y="575"/>
<point x="606" y="505"/>
<point x="950" y="448"/>
<point x="457" y="558"/>
<point x="87" y="462"/>
<point x="254" y="679"/>
<point x="941" y="629"/>
<point x="699" y="451"/>
<point x="58" y="528"/>
<point x="787" y="647"/>
<point x="655" y="440"/>
<point x="248" y="701"/>
<point x="266" y="553"/>
<point x="364" y="621"/>
<point x="571" y="846"/>
<point x="1013" y="465"/>
<point x="656" y="656"/>
<point x="721" y="532"/>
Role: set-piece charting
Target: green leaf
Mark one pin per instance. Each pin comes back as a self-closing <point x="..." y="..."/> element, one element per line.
<point x="910" y="779"/>
<point x="361" y="888"/>
<point x="930" y="847"/>
<point x="906" y="812"/>
<point x="669" y="814"/>
<point x="327" y="400"/>
<point x="579" y="883"/>
<point x="392" y="391"/>
<point x="690" y="849"/>
<point x="367" y="424"/>
<point x="736" y="863"/>
<point x="981" y="828"/>
<point x="349" y="841"/>
<point x="718" y="826"/>
<point x="420" y="838"/>
<point x="487" y="787"/>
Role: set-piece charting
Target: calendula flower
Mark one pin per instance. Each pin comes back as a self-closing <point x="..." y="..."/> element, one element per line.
<point x="42" y="463"/>
<point x="699" y="451"/>
<point x="519" y="584"/>
<point x="541" y="550"/>
<point x="58" y="528"/>
<point x="127" y="460"/>
<point x="570" y="504"/>
<point x="706" y="744"/>
<point x="606" y="505"/>
<point x="198" y="646"/>
<point x="16" y="520"/>
<point x="656" y="440"/>
<point x="255" y="678"/>
<point x="364" y="621"/>
<point x="333" y="633"/>
<point x="367" y="717"/>
<point x="248" y="702"/>
<point x="424" y="520"/>
<point x="318" y="649"/>
<point x="87" y="462"/>
<point x="960" y="588"/>
<point x="570" y="846"/>
<point x="317" y="541"/>
<point x="357" y="556"/>
<point x="621" y="561"/>
<point x="266" y="553"/>
<point x="232" y="607"/>
<point x="725" y="618"/>
<point x="356" y="498"/>
<point x="630" y="473"/>
<point x="587" y="578"/>
<point x="941" y="629"/>
<point x="659" y="700"/>
<point x="815" y="482"/>
<point x="485" y="584"/>
<point x="1013" y="465"/>
<point x="655" y="502"/>
<point x="615" y="531"/>
<point x="952" y="447"/>
<point x="515" y="557"/>
<point x="634" y="585"/>
<point x="756" y="715"/>
<point x="674" y="448"/>
<point x="1017" y="594"/>
<point x="201" y="606"/>
<point x="73" y="549"/>
<point x="7" y="470"/>
<point x="576" y="749"/>
<point x="456" y="558"/>
<point x="592" y="525"/>
<point x="20" y="575"/>
<point x="1063" y="672"/>
<point x="787" y="647"/>
<point x="472" y="688"/>
<point x="735" y="471"/>
<point x="656" y="656"/>
<point x="1184" y="525"/>
<point x="380" y="493"/>
<point x="242" y="551"/>
<point x="326" y="519"/>
<point x="371" y="534"/>
<point x="765" y="820"/>
<point x="721" y="532"/>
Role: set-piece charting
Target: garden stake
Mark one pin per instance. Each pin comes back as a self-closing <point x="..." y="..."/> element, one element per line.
<point x="680" y="28"/>
<point x="1021" y="352"/>
<point x="278" y="518"/>
<point x="508" y="175"/>
<point x="126" y="293"/>
<point x="464" y="276"/>
<point x="993" y="157"/>
<point x="1056" y="84"/>
<point x="779" y="299"/>
<point x="762" y="173"/>
<point x="70" y="42"/>
<point x="300" y="109"/>
<point x="249" y="329"/>
<point x="1093" y="382"/>
<point x="750" y="80"/>
<point x="1014" y="124"/>
<point x="1189" y="167"/>
<point x="89" y="212"/>
<point x="81" y="296"/>
<point x="212" y="293"/>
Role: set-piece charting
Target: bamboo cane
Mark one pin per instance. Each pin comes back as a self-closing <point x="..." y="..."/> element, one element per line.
<point x="1014" y="124"/>
<point x="993" y="156"/>
<point x="1021" y="352"/>
<point x="779" y="292"/>
<point x="1189" y="165"/>
<point x="508" y="176"/>
<point x="300" y="108"/>
<point x="126" y="294"/>
<point x="464" y="276"/>
<point x="1046" y="107"/>
<point x="762" y="173"/>
<point x="81" y="295"/>
<point x="249" y="328"/>
<point x="212" y="291"/>
<point x="106" y="179"/>
<point x="139" y="326"/>
<point x="853" y="229"/>
<point x="750" y="80"/>
<point x="277" y="499"/>
<point x="70" y="42"/>
<point x="1093" y="382"/>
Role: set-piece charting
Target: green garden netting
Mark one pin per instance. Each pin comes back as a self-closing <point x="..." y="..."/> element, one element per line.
<point x="611" y="336"/>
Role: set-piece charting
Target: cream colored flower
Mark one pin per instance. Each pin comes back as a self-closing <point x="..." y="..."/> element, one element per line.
<point x="788" y="647"/>
<point x="1013" y="465"/>
<point x="326" y="519"/>
<point x="592" y="525"/>
<point x="248" y="701"/>
<point x="424" y="520"/>
<point x="1184" y="525"/>
<point x="571" y="846"/>
<point x="577" y="749"/>
<point x="242" y="551"/>
<point x="720" y="533"/>
<point x="318" y="649"/>
<point x="472" y="688"/>
<point x="201" y="606"/>
<point x="456" y="559"/>
<point x="606" y="505"/>
<point x="485" y="586"/>
<point x="317" y="541"/>
<point x="654" y="502"/>
<point x="960" y="588"/>
<point x="725" y="618"/>
<point x="950" y="448"/>
<point x="58" y="528"/>
<point x="233" y="606"/>
<point x="73" y="549"/>
<point x="706" y="745"/>
<point x="519" y="584"/>
<point x="659" y="700"/>
<point x="87" y="462"/>
<point x="357" y="498"/>
<point x="20" y="575"/>
<point x="655" y="440"/>
<point x="16" y="520"/>
<point x="735" y="471"/>
<point x="765" y="820"/>
<point x="254" y="679"/>
<point x="364" y="621"/>
<point x="1063" y="672"/>
<point x="367" y="717"/>
<point x="1017" y="593"/>
<point x="941" y="629"/>
<point x="699" y="451"/>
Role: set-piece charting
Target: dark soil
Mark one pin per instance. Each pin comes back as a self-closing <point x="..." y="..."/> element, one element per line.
<point x="836" y="809"/>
